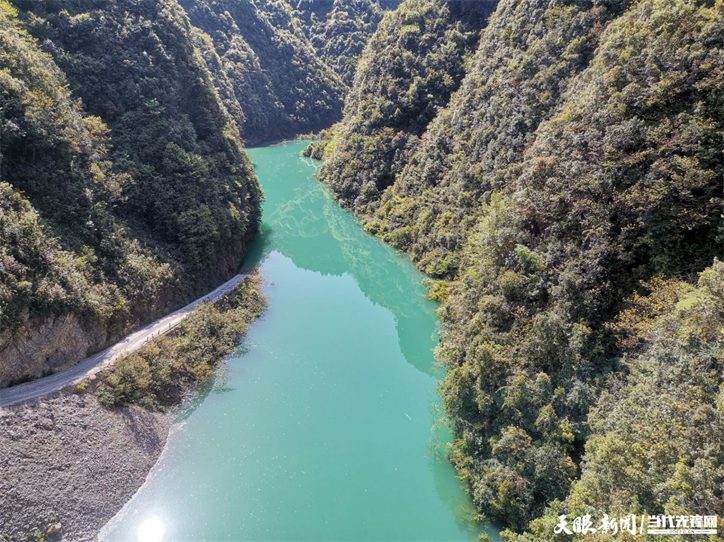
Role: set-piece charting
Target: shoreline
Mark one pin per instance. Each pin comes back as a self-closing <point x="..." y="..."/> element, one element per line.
<point x="173" y="429"/>
<point x="72" y="459"/>
<point x="68" y="460"/>
<point x="135" y="340"/>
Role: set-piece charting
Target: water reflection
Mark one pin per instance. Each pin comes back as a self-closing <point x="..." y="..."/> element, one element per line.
<point x="304" y="223"/>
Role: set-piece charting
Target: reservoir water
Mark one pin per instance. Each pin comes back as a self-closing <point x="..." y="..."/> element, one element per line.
<point x="324" y="424"/>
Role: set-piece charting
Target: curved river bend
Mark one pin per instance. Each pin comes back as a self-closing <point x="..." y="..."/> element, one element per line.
<point x="323" y="426"/>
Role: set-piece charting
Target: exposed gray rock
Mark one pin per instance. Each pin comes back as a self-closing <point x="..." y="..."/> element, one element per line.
<point x="68" y="462"/>
<point x="39" y="349"/>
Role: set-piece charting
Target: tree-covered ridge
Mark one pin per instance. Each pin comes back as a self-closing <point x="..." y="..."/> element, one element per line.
<point x="134" y="65"/>
<point x="578" y="165"/>
<point x="318" y="42"/>
<point x="406" y="74"/>
<point x="339" y="30"/>
<point x="59" y="236"/>
<point x="622" y="184"/>
<point x="529" y="53"/>
<point x="130" y="201"/>
<point x="281" y="84"/>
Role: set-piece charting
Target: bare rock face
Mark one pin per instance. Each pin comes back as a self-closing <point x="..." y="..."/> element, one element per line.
<point x="39" y="349"/>
<point x="69" y="464"/>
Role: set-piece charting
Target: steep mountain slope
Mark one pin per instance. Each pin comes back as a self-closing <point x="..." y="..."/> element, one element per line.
<point x="281" y="84"/>
<point x="579" y="160"/>
<point x="647" y="450"/>
<point x="622" y="184"/>
<point x="119" y="206"/>
<point x="339" y="30"/>
<point x="530" y="52"/>
<point x="289" y="62"/>
<point x="192" y="181"/>
<point x="406" y="74"/>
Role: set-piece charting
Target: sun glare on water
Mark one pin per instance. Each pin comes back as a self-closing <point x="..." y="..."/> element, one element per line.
<point x="151" y="530"/>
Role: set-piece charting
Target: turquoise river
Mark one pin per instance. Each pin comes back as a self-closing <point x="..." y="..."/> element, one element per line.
<point x="325" y="424"/>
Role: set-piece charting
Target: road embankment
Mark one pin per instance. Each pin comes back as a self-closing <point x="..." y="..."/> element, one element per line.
<point x="73" y="457"/>
<point x="92" y="365"/>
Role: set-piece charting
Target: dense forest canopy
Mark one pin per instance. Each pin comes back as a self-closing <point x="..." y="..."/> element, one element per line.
<point x="102" y="194"/>
<point x="568" y="197"/>
<point x="339" y="29"/>
<point x="289" y="62"/>
<point x="133" y="65"/>
<point x="281" y="84"/>
<point x="405" y="76"/>
<point x="125" y="186"/>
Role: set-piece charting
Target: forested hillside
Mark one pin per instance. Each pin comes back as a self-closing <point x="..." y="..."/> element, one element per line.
<point x="405" y="76"/>
<point x="339" y="29"/>
<point x="567" y="195"/>
<point x="647" y="450"/>
<point x="282" y="86"/>
<point x="287" y="63"/>
<point x="125" y="187"/>
<point x="528" y="56"/>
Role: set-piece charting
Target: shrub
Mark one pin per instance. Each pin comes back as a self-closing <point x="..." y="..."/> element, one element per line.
<point x="156" y="376"/>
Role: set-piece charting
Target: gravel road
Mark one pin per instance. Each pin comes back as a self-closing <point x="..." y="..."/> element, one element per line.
<point x="92" y="365"/>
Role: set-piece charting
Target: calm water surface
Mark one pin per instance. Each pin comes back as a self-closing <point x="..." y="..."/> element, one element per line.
<point x="323" y="427"/>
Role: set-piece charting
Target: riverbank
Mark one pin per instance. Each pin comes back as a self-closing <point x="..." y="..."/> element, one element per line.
<point x="72" y="459"/>
<point x="67" y="459"/>
<point x="90" y="366"/>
